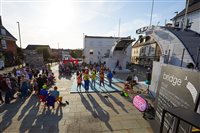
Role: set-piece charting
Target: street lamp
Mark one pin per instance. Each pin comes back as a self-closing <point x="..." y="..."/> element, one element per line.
<point x="20" y="39"/>
<point x="19" y="35"/>
<point x="151" y="13"/>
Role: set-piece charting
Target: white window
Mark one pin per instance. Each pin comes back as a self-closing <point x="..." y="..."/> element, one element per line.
<point x="3" y="31"/>
<point x="3" y="44"/>
<point x="91" y="51"/>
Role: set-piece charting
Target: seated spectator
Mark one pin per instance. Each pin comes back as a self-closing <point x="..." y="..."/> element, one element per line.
<point x="56" y="94"/>
<point x="50" y="101"/>
<point x="43" y="95"/>
<point x="135" y="80"/>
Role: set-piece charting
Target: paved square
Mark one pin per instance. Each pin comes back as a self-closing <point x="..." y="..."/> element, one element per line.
<point x="86" y="113"/>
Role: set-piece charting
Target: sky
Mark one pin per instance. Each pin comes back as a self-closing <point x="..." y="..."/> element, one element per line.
<point x="63" y="23"/>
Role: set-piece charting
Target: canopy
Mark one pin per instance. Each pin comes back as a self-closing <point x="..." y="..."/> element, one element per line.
<point x="73" y="60"/>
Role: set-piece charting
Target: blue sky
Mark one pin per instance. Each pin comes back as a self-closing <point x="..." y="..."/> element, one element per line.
<point x="51" y="22"/>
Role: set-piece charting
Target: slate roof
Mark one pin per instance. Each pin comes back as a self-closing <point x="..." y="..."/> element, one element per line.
<point x="35" y="46"/>
<point x="7" y="36"/>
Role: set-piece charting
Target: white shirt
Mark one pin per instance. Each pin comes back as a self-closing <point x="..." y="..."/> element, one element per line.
<point x="135" y="78"/>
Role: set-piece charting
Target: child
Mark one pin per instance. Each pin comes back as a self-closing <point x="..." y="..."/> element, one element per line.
<point x="86" y="80"/>
<point x="56" y="94"/>
<point x="35" y="86"/>
<point x="79" y="80"/>
<point x="43" y="95"/>
<point x="50" y="101"/>
<point x="101" y="75"/>
<point x="110" y="76"/>
<point x="93" y="77"/>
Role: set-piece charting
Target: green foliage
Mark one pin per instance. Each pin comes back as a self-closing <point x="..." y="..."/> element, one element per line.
<point x="74" y="54"/>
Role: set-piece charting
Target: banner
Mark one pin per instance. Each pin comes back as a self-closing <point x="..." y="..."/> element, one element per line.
<point x="177" y="87"/>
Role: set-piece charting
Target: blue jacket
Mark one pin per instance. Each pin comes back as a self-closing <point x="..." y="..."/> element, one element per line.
<point x="110" y="75"/>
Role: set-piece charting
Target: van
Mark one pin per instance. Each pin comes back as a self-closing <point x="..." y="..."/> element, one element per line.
<point x="2" y="64"/>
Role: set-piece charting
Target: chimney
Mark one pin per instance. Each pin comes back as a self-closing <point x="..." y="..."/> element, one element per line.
<point x="0" y="22"/>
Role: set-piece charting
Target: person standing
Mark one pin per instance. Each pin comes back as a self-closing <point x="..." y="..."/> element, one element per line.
<point x="40" y="82"/>
<point x="101" y="76"/>
<point x="93" y="77"/>
<point x="86" y="80"/>
<point x="79" y="80"/>
<point x="24" y="86"/>
<point x="110" y="76"/>
<point x="8" y="91"/>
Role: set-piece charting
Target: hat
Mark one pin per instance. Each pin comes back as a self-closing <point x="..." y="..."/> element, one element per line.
<point x="44" y="86"/>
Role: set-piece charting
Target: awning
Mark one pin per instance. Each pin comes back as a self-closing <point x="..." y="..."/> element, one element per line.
<point x="121" y="45"/>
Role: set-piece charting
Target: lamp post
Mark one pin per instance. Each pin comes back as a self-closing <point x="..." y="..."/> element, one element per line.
<point x="20" y="39"/>
<point x="185" y="17"/>
<point x="151" y="13"/>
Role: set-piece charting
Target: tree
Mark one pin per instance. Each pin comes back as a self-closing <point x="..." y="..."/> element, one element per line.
<point x="74" y="54"/>
<point x="45" y="52"/>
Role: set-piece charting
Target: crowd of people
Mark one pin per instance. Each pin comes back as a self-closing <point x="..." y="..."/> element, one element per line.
<point x="22" y="81"/>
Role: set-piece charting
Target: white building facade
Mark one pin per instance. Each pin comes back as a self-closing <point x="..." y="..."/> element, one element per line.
<point x="97" y="49"/>
<point x="193" y="17"/>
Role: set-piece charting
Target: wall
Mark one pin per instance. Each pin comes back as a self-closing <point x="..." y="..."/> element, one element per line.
<point x="168" y="41"/>
<point x="193" y="17"/>
<point x="11" y="46"/>
<point x="100" y="46"/>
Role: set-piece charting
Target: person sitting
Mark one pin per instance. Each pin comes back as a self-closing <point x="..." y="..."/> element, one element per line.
<point x="135" y="80"/>
<point x="43" y="95"/>
<point x="56" y="94"/>
<point x="50" y="101"/>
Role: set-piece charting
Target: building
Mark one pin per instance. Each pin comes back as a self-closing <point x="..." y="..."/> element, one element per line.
<point x="193" y="17"/>
<point x="66" y="55"/>
<point x="98" y="48"/>
<point x="36" y="58"/>
<point x="8" y="47"/>
<point x="145" y="51"/>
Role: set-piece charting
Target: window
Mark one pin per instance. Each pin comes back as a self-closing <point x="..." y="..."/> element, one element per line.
<point x="3" y="44"/>
<point x="91" y="51"/>
<point x="3" y="31"/>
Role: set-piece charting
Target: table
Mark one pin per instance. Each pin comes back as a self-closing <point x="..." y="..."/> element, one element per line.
<point x="185" y="115"/>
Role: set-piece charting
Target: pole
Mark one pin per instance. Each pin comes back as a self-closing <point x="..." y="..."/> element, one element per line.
<point x="151" y="13"/>
<point x="182" y="57"/>
<point x="20" y="43"/>
<point x="168" y="56"/>
<point x="19" y="35"/>
<point x="119" y="28"/>
<point x="185" y="17"/>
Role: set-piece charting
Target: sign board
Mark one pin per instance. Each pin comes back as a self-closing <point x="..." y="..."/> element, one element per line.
<point x="177" y="88"/>
<point x="142" y="30"/>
